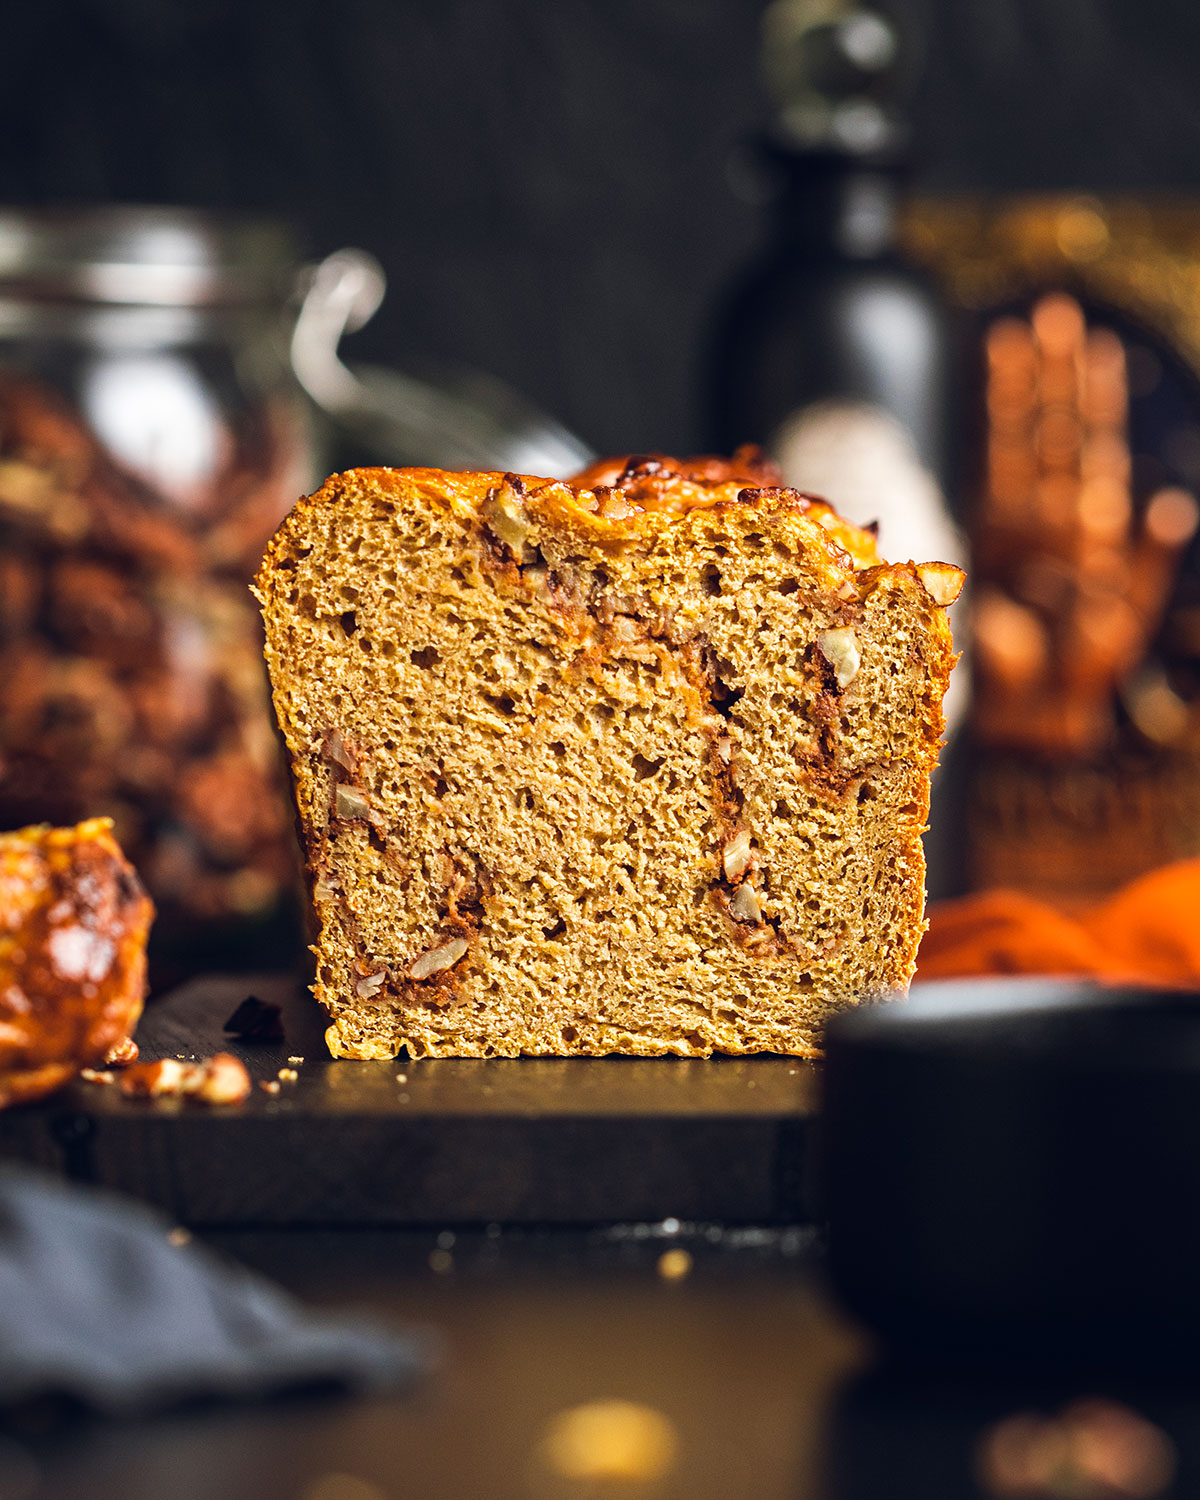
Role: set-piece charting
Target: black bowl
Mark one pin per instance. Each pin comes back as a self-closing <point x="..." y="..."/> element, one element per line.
<point x="1011" y="1169"/>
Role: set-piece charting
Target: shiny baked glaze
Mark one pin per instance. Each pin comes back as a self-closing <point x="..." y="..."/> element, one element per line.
<point x="73" y="926"/>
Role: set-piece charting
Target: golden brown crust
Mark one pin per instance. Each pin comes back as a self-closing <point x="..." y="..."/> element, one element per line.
<point x="633" y="509"/>
<point x="73" y="926"/>
<point x="749" y="465"/>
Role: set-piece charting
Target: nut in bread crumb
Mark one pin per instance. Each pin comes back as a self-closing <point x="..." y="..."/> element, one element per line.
<point x="350" y="802"/>
<point x="744" y="904"/>
<point x="335" y="749"/>
<point x="369" y="985"/>
<point x="738" y="855"/>
<point x="505" y="514"/>
<point x="943" y="582"/>
<point x="438" y="959"/>
<point x="839" y="647"/>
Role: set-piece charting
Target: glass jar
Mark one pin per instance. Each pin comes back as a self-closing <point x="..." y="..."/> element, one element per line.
<point x="152" y="437"/>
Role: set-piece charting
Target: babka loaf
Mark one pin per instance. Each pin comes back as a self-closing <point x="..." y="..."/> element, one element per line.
<point x="636" y="764"/>
<point x="73" y="926"/>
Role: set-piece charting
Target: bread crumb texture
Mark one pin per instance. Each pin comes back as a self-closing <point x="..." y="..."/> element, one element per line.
<point x="636" y="766"/>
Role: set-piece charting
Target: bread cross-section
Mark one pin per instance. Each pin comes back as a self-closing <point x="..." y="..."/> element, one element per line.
<point x="638" y="763"/>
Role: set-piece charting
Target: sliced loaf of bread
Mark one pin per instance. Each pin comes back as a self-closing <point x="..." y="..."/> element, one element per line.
<point x="635" y="764"/>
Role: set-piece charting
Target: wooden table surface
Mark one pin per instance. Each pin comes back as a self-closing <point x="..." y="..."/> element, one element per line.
<point x="765" y="1392"/>
<point x="528" y="1140"/>
<point x="740" y="1358"/>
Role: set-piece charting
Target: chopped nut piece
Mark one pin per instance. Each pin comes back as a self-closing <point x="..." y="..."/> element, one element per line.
<point x="225" y="1080"/>
<point x="350" y="802"/>
<point x="221" y="1080"/>
<point x="122" y="1054"/>
<point x="738" y="855"/>
<point x="438" y="959"/>
<point x="505" y="514"/>
<point x="839" y="647"/>
<point x="369" y="985"/>
<point x="95" y="1075"/>
<point x="725" y="748"/>
<point x="295" y="1061"/>
<point x="847" y="590"/>
<point x="151" y="1080"/>
<point x="334" y="748"/>
<point x="615" y="507"/>
<point x="943" y="582"/>
<point x="326" y="887"/>
<point x="744" y="904"/>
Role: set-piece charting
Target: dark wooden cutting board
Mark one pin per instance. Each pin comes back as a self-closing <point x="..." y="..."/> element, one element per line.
<point x="530" y="1140"/>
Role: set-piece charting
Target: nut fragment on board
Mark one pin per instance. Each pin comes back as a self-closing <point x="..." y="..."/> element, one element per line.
<point x="122" y="1053"/>
<point x="221" y="1079"/>
<point x="225" y="1081"/>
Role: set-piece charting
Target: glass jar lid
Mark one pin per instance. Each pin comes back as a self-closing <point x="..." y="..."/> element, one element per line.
<point x="163" y="257"/>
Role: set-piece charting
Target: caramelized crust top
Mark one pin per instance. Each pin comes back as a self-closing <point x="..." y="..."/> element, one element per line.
<point x="73" y="926"/>
<point x="613" y="500"/>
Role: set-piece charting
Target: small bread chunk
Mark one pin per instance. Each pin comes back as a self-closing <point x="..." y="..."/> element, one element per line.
<point x="73" y="926"/>
<point x="634" y="764"/>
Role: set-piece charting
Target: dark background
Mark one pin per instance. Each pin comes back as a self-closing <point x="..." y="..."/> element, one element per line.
<point x="553" y="185"/>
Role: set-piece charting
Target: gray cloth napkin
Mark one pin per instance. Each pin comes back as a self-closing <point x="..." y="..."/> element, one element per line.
<point x="98" y="1304"/>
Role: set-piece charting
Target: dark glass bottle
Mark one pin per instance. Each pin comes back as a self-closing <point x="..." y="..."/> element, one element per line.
<point x="831" y="312"/>
<point x="831" y="350"/>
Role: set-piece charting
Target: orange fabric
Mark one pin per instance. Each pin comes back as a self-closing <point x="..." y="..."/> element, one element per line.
<point x="1149" y="931"/>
